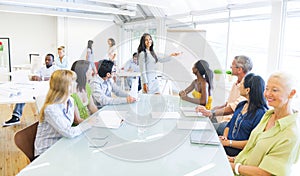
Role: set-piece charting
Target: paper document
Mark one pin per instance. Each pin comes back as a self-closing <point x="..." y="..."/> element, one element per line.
<point x="134" y="88"/>
<point x="191" y="124"/>
<point x="191" y="109"/>
<point x="165" y="115"/>
<point x="204" y="137"/>
<point x="108" y="119"/>
<point x="190" y="112"/>
<point x="9" y="92"/>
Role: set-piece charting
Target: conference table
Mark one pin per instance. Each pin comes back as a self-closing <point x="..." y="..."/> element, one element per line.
<point x="150" y="140"/>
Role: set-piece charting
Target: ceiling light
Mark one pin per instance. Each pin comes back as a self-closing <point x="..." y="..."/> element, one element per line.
<point x="69" y="5"/>
<point x="35" y="11"/>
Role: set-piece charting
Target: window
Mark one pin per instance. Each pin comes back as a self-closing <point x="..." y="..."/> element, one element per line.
<point x="290" y="60"/>
<point x="216" y="37"/>
<point x="250" y="38"/>
<point x="249" y="35"/>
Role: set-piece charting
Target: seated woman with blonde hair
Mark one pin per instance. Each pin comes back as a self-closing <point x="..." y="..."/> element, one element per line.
<point x="274" y="144"/>
<point x="201" y="87"/>
<point x="57" y="114"/>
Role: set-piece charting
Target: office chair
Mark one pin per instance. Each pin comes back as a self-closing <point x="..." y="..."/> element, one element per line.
<point x="24" y="139"/>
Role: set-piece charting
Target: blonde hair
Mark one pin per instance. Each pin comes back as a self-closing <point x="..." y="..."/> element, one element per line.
<point x="60" y="82"/>
<point x="61" y="48"/>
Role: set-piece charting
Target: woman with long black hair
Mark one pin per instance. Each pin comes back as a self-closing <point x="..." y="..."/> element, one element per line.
<point x="201" y="87"/>
<point x="246" y="115"/>
<point x="147" y="61"/>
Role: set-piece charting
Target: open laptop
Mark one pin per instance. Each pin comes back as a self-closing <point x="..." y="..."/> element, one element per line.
<point x="204" y="137"/>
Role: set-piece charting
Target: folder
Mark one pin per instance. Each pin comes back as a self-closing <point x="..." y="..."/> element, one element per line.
<point x="208" y="137"/>
<point x="190" y="112"/>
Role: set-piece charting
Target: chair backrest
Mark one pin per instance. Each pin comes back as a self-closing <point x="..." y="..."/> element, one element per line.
<point x="24" y="139"/>
<point x="96" y="65"/>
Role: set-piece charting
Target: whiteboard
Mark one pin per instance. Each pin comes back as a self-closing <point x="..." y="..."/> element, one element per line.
<point x="192" y="45"/>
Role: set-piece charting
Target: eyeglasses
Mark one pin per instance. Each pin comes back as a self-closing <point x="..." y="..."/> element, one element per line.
<point x="234" y="66"/>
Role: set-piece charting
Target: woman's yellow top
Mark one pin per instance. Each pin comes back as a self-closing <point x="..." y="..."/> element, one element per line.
<point x="197" y="95"/>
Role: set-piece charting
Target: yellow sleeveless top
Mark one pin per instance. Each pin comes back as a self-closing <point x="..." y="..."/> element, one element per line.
<point x="197" y="95"/>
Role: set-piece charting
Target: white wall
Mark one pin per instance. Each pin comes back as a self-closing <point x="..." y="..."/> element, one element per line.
<point x="43" y="34"/>
<point x="80" y="31"/>
<point x="28" y="34"/>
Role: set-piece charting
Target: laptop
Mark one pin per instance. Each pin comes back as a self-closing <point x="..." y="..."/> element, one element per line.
<point x="207" y="137"/>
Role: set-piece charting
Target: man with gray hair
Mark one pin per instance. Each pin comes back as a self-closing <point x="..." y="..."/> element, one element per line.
<point x="240" y="67"/>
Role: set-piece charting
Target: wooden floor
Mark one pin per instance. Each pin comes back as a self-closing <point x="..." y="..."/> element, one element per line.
<point x="12" y="160"/>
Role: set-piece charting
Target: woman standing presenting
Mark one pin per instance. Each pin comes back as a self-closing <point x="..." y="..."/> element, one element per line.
<point x="147" y="61"/>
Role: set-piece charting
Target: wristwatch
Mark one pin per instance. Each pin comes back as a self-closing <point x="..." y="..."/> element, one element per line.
<point x="230" y="143"/>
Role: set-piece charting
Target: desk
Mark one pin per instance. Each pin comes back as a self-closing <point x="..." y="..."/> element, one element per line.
<point x="124" y="74"/>
<point x="22" y="67"/>
<point x="13" y="92"/>
<point x="156" y="147"/>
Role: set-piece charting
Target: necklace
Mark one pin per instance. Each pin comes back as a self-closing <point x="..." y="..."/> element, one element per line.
<point x="238" y="121"/>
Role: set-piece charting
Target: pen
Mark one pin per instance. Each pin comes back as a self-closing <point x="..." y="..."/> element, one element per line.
<point x="100" y="138"/>
<point x="98" y="146"/>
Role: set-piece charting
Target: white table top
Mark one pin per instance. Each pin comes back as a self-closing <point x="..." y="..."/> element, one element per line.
<point x="13" y="92"/>
<point x="23" y="66"/>
<point x="143" y="145"/>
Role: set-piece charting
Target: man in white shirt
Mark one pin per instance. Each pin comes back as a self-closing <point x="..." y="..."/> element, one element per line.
<point x="132" y="66"/>
<point x="43" y="74"/>
<point x="241" y="66"/>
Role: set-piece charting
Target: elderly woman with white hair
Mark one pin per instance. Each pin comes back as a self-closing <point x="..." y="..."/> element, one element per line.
<point x="274" y="145"/>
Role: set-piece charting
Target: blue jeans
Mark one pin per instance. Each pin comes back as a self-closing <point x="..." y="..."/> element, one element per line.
<point x="18" y="110"/>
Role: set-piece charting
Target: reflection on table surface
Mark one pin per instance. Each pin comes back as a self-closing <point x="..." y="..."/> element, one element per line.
<point x="142" y="145"/>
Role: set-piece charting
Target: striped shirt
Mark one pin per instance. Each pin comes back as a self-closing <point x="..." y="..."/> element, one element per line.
<point x="57" y="123"/>
<point x="102" y="92"/>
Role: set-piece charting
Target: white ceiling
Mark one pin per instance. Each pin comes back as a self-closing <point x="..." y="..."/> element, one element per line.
<point x="120" y="11"/>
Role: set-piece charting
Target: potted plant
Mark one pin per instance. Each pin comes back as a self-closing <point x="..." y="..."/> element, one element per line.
<point x="229" y="75"/>
<point x="218" y="74"/>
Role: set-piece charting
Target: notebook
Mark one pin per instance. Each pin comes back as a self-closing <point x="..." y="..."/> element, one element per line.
<point x="108" y="119"/>
<point x="204" y="137"/>
<point x="134" y="88"/>
<point x="190" y="112"/>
